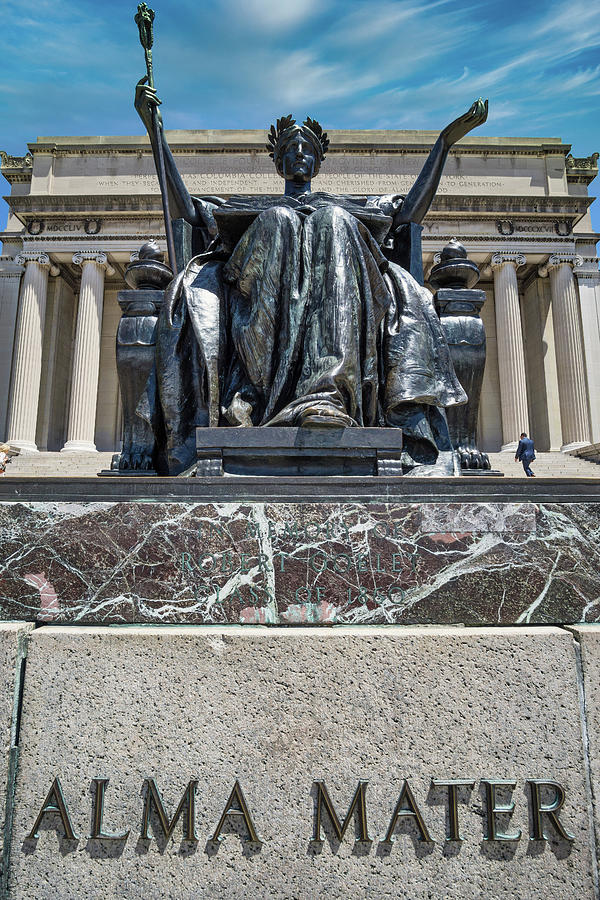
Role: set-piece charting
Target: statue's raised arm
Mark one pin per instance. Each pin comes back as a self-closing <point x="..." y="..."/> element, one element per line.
<point x="181" y="204"/>
<point x="419" y="198"/>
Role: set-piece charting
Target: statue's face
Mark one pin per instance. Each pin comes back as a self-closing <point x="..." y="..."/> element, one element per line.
<point x="298" y="160"/>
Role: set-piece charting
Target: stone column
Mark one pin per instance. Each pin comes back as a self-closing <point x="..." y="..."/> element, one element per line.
<point x="27" y="367"/>
<point x="10" y="282"/>
<point x="86" y="357"/>
<point x="568" y="341"/>
<point x="511" y="357"/>
<point x="588" y="283"/>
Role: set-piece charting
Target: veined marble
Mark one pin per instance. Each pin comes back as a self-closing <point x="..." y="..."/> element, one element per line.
<point x="286" y="563"/>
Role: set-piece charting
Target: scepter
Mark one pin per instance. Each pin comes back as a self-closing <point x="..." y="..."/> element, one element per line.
<point x="144" y="19"/>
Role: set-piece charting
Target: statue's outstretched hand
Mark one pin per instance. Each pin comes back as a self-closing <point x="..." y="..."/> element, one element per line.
<point x="465" y="123"/>
<point x="145" y="102"/>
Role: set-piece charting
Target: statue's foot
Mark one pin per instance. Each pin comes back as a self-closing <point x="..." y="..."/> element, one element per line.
<point x="320" y="421"/>
<point x="239" y="412"/>
<point x="324" y="415"/>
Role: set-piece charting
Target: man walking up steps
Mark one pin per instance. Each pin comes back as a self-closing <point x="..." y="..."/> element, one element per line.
<point x="526" y="453"/>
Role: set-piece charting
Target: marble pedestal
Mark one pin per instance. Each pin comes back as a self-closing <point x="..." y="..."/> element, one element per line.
<point x="210" y="744"/>
<point x="325" y="551"/>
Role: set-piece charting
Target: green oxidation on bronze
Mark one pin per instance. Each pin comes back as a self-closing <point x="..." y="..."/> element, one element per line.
<point x="452" y="786"/>
<point x="493" y="809"/>
<point x="144" y="19"/>
<point x="406" y="807"/>
<point x="154" y="800"/>
<point x="239" y="810"/>
<point x="54" y="803"/>
<point x="156" y="822"/>
<point x="97" y="832"/>
<point x="257" y="332"/>
<point x="539" y="809"/>
<point x="358" y="804"/>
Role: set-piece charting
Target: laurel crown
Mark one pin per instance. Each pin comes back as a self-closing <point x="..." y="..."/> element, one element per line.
<point x="275" y="134"/>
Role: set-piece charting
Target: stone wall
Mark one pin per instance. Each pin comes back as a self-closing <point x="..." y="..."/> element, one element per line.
<point x="262" y="732"/>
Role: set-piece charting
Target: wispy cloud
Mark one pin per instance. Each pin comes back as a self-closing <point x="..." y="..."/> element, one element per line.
<point x="272" y="15"/>
<point x="70" y="66"/>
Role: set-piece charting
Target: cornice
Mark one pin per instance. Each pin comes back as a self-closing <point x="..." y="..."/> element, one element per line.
<point x="342" y="141"/>
<point x="339" y="149"/>
<point x="499" y="205"/>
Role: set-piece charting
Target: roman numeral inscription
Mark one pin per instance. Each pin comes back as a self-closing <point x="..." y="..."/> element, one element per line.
<point x="546" y="799"/>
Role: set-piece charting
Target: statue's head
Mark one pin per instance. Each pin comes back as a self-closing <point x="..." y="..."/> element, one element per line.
<point x="297" y="150"/>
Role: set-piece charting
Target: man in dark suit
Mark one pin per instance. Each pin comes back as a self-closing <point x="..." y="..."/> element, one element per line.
<point x="526" y="453"/>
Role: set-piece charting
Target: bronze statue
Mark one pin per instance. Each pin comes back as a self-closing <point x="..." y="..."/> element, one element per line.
<point x="291" y="312"/>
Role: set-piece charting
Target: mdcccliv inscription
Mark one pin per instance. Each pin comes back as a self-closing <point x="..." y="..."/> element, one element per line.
<point x="546" y="798"/>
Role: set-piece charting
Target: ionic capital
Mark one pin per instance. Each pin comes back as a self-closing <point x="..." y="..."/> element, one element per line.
<point x="560" y="259"/>
<point x="516" y="259"/>
<point x="99" y="257"/>
<point x="36" y="256"/>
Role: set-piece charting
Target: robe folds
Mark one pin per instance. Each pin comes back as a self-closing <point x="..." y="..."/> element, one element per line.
<point x="294" y="313"/>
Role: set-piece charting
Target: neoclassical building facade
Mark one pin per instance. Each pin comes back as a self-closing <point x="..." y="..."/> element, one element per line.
<point x="81" y="206"/>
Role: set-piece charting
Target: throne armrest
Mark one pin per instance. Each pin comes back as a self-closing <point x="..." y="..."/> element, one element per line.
<point x="404" y="248"/>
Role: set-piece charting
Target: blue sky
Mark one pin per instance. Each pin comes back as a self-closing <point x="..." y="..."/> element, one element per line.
<point x="70" y="67"/>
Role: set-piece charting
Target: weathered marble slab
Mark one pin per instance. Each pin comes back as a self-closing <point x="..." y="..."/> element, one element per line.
<point x="293" y="563"/>
<point x="279" y="710"/>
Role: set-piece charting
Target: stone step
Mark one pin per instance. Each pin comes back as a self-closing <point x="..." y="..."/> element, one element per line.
<point x="78" y="465"/>
<point x="68" y="465"/>
<point x="546" y="465"/>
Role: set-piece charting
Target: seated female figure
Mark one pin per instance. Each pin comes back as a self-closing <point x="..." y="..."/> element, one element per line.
<point x="292" y="315"/>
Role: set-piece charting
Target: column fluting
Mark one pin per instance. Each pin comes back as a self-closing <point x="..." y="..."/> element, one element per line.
<point x="86" y="356"/>
<point x="27" y="367"/>
<point x="511" y="356"/>
<point x="568" y="341"/>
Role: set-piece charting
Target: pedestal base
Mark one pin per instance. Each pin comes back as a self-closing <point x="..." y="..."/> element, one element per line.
<point x="299" y="451"/>
<point x="223" y="762"/>
<point x="329" y="551"/>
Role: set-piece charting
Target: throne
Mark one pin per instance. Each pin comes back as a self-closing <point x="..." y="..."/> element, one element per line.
<point x="364" y="451"/>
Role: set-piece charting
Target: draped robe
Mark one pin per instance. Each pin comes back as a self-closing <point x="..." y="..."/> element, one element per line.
<point x="293" y="312"/>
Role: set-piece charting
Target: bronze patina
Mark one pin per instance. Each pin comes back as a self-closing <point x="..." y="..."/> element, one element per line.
<point x="294" y="310"/>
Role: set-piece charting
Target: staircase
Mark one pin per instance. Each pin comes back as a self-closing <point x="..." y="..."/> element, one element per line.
<point x="57" y="465"/>
<point x="546" y="465"/>
<point x="87" y="465"/>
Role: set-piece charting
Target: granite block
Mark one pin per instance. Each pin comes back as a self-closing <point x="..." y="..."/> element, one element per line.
<point x="13" y="650"/>
<point x="291" y="563"/>
<point x="588" y="638"/>
<point x="280" y="711"/>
